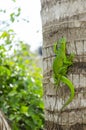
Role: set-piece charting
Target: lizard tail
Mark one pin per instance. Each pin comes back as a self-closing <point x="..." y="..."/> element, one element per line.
<point x="72" y="91"/>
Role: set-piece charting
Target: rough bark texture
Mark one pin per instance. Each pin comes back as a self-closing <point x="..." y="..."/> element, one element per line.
<point x="65" y="18"/>
<point x="3" y="122"/>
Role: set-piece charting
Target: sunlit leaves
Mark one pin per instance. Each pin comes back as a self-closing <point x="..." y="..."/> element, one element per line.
<point x="14" y="15"/>
<point x="7" y="36"/>
<point x="21" y="87"/>
<point x="20" y="79"/>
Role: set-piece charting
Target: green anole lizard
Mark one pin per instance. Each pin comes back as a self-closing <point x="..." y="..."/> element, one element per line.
<point x="60" y="68"/>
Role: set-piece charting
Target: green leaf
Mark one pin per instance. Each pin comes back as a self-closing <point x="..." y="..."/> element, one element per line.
<point x="24" y="109"/>
<point x="4" y="34"/>
<point x="12" y="17"/>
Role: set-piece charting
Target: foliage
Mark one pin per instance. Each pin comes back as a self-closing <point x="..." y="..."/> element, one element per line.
<point x="20" y="84"/>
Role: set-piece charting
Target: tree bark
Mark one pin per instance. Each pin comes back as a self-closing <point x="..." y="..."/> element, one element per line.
<point x="3" y="122"/>
<point x="64" y="18"/>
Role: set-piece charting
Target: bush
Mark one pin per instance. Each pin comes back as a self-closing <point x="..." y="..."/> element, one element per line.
<point x="20" y="85"/>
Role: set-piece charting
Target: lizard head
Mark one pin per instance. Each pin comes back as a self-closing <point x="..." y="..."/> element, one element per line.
<point x="59" y="44"/>
<point x="62" y="40"/>
<point x="55" y="47"/>
<point x="62" y="43"/>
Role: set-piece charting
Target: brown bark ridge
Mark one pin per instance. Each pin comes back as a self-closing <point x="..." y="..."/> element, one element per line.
<point x="64" y="18"/>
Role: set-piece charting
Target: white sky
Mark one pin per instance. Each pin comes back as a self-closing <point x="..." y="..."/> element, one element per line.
<point x="30" y="32"/>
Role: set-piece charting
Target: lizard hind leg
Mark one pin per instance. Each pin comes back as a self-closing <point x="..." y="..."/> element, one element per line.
<point x="63" y="70"/>
<point x="57" y="81"/>
<point x="69" y="60"/>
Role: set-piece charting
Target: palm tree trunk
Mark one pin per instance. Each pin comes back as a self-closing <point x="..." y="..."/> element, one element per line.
<point x="64" y="18"/>
<point x="3" y="122"/>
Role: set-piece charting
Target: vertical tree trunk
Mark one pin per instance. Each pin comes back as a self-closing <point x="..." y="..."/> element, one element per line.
<point x="3" y="122"/>
<point x="64" y="18"/>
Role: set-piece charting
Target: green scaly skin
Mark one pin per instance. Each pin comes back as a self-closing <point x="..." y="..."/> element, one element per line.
<point x="60" y="68"/>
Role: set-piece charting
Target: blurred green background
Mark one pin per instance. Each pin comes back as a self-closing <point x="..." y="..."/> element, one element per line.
<point x="21" y="92"/>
